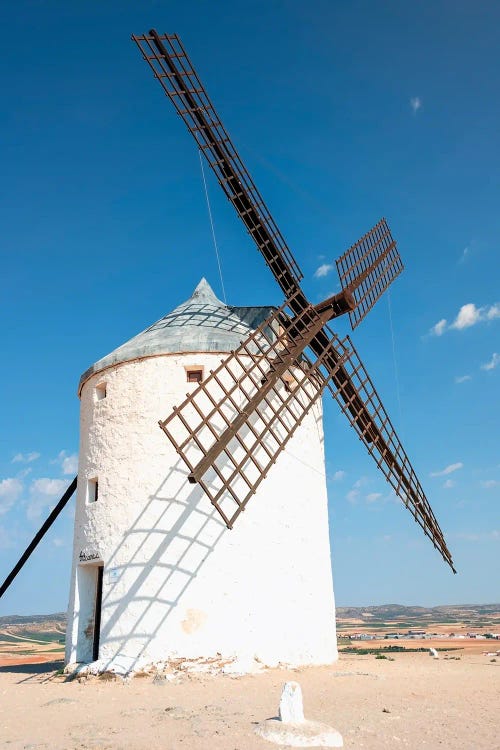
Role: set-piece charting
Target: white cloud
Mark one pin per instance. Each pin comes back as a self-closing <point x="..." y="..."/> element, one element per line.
<point x="354" y="493"/>
<point x="493" y="535"/>
<point x="468" y="315"/>
<point x="493" y="311"/>
<point x="25" y="458"/>
<point x="494" y="362"/>
<point x="57" y="542"/>
<point x="361" y="482"/>
<point x="373" y="497"/>
<point x="323" y="270"/>
<point x="465" y="254"/>
<point x="43" y="492"/>
<point x="70" y="464"/>
<point x="489" y="484"/>
<point x="448" y="470"/>
<point x="338" y="476"/>
<point x="67" y="461"/>
<point x="439" y="328"/>
<point x="6" y="538"/>
<point x="449" y="484"/>
<point x="463" y="378"/>
<point x="10" y="491"/>
<point x="415" y="104"/>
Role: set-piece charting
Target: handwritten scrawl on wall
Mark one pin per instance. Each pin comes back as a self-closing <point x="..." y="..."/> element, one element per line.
<point x="88" y="556"/>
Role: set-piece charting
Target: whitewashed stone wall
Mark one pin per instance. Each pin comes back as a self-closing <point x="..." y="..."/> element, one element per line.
<point x="176" y="582"/>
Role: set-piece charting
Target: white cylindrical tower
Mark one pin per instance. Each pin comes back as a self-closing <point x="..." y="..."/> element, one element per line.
<point x="156" y="574"/>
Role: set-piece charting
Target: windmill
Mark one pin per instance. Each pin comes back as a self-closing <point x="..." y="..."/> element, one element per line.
<point x="148" y="547"/>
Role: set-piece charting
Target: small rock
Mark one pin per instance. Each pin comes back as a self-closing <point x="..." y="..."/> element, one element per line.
<point x="57" y="701"/>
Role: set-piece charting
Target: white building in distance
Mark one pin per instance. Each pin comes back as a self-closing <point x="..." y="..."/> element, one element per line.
<point x="156" y="574"/>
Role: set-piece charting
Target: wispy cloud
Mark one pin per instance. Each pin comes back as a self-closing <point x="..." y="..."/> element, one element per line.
<point x="361" y="482"/>
<point x="465" y="254"/>
<point x="468" y="315"/>
<point x="449" y="484"/>
<point x="323" y="270"/>
<point x="482" y="536"/>
<point x="67" y="461"/>
<point x="339" y="475"/>
<point x="494" y="362"/>
<point x="415" y="104"/>
<point x="352" y="496"/>
<point x="10" y="491"/>
<point x="354" y="493"/>
<point x="25" y="458"/>
<point x="489" y="484"/>
<point x="463" y="378"/>
<point x="447" y="470"/>
<point x="43" y="492"/>
<point x="6" y="538"/>
<point x="439" y="328"/>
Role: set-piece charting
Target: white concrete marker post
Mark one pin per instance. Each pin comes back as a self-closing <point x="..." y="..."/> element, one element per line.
<point x="292" y="728"/>
<point x="291" y="706"/>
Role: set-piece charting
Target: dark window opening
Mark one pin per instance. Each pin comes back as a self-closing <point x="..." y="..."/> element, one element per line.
<point x="93" y="491"/>
<point x="100" y="391"/>
<point x="194" y="376"/>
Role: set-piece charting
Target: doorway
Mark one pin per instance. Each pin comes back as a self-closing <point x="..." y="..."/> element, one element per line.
<point x="97" y="612"/>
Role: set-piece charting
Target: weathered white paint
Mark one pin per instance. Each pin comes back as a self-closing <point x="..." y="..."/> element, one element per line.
<point x="176" y="582"/>
<point x="291" y="703"/>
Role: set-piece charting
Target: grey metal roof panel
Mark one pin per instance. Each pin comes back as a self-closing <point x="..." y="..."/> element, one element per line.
<point x="201" y="324"/>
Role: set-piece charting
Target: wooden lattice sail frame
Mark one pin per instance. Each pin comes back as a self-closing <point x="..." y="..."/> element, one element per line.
<point x="365" y="271"/>
<point x="232" y="428"/>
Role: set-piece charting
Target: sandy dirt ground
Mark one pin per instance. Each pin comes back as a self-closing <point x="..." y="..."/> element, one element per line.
<point x="411" y="702"/>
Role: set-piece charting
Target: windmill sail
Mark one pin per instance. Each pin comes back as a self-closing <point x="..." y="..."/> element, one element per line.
<point x="365" y="271"/>
<point x="175" y="72"/>
<point x="368" y="268"/>
<point x="233" y="427"/>
<point x="357" y="398"/>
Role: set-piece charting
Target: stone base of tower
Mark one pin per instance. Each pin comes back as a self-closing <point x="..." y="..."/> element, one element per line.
<point x="175" y="583"/>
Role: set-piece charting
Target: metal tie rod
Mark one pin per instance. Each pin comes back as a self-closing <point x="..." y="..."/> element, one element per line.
<point x="38" y="537"/>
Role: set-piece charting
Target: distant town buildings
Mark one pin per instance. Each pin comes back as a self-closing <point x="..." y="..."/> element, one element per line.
<point x="418" y="635"/>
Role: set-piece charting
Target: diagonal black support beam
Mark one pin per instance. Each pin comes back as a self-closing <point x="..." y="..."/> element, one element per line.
<point x="38" y="537"/>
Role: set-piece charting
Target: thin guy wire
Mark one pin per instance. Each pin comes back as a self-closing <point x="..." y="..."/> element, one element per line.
<point x="396" y="374"/>
<point x="212" y="227"/>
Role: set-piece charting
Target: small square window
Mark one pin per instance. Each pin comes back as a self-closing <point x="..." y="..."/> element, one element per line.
<point x="92" y="490"/>
<point x="194" y="376"/>
<point x="100" y="391"/>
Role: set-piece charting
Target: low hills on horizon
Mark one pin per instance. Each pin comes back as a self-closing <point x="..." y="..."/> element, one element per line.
<point x="476" y="614"/>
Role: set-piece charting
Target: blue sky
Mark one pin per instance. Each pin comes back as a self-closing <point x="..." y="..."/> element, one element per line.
<point x="343" y="113"/>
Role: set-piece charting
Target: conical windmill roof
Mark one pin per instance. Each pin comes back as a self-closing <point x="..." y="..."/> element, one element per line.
<point x="201" y="324"/>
